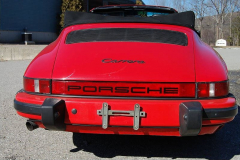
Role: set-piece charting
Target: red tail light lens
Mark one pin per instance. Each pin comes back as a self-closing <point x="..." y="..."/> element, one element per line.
<point x="28" y="84"/>
<point x="37" y="85"/>
<point x="44" y="86"/>
<point x="124" y="89"/>
<point x="221" y="89"/>
<point x="213" y="89"/>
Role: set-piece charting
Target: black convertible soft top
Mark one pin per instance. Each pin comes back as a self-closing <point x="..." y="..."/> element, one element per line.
<point x="186" y="19"/>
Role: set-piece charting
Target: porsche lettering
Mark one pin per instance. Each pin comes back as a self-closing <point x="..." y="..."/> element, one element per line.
<point x="137" y="90"/>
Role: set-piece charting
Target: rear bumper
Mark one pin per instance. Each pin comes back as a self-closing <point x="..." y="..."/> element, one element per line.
<point x="183" y="117"/>
<point x="207" y="113"/>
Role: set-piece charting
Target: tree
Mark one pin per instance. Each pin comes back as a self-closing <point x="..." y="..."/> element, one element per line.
<point x="233" y="6"/>
<point x="215" y="18"/>
<point x="200" y="9"/>
<point x="219" y="10"/>
<point x="160" y="3"/>
<point x="236" y="30"/>
<point x="180" y="5"/>
<point x="139" y="2"/>
<point x="70" y="5"/>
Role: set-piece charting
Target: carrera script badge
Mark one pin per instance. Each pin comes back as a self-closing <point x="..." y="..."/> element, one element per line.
<point x="121" y="61"/>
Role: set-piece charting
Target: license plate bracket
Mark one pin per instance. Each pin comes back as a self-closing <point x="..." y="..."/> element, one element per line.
<point x="136" y="114"/>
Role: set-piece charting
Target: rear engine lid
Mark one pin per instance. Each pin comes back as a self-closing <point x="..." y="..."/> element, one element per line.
<point x="147" y="55"/>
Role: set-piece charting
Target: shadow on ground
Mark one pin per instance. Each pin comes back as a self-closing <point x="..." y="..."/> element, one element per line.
<point x="225" y="144"/>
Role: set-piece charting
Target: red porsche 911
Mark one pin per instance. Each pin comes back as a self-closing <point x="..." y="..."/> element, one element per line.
<point x="140" y="70"/>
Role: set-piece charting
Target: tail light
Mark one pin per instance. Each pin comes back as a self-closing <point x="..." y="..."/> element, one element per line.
<point x="123" y="89"/>
<point x="127" y="89"/>
<point x="37" y="85"/>
<point x="213" y="89"/>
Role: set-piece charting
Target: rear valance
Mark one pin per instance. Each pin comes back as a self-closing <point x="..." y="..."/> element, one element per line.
<point x="127" y="35"/>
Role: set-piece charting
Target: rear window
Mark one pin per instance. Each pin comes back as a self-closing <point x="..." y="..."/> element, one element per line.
<point x="127" y="35"/>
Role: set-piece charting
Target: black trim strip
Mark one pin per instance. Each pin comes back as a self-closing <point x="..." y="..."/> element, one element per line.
<point x="27" y="108"/>
<point x="20" y="91"/>
<point x="37" y="78"/>
<point x="132" y="98"/>
<point x="220" y="113"/>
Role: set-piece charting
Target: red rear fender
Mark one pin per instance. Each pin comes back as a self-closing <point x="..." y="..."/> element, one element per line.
<point x="42" y="65"/>
<point x="209" y="65"/>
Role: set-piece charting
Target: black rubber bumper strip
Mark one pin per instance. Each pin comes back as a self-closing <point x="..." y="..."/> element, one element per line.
<point x="207" y="113"/>
<point x="27" y="108"/>
<point x="220" y="113"/>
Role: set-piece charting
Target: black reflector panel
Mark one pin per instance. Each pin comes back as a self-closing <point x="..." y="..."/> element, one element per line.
<point x="127" y="35"/>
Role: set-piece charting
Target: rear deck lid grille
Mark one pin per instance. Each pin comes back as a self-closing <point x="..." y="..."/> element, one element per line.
<point x="127" y="35"/>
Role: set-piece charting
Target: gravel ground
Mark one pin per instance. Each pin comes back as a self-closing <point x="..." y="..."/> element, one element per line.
<point x="16" y="142"/>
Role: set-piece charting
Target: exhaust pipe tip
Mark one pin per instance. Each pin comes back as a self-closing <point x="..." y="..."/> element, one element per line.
<point x="31" y="125"/>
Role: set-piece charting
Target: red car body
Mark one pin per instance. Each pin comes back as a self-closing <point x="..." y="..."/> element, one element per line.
<point x="127" y="87"/>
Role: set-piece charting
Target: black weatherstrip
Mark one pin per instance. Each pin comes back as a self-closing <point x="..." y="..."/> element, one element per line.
<point x="127" y="35"/>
